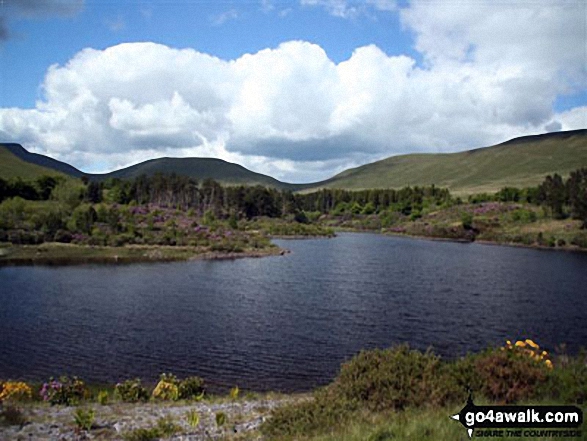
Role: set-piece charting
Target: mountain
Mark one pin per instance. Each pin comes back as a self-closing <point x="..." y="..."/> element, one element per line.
<point x="34" y="159"/>
<point x="13" y="166"/>
<point x="520" y="162"/>
<point x="198" y="168"/>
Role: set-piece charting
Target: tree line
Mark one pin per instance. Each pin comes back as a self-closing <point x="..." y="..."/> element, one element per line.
<point x="563" y="197"/>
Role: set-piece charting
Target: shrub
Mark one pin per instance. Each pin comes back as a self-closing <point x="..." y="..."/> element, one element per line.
<point x="131" y="391"/>
<point x="567" y="382"/>
<point x="220" y="419"/>
<point x="193" y="418"/>
<point x="15" y="391"/>
<point x="165" y="427"/>
<point x="394" y="379"/>
<point x="191" y="388"/>
<point x="167" y="388"/>
<point x="509" y="376"/>
<point x="103" y="397"/>
<point x="84" y="419"/>
<point x="65" y="390"/>
<point x="324" y="411"/>
<point x="12" y="416"/>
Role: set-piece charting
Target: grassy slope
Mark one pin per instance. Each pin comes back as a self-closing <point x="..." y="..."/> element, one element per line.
<point x="199" y="168"/>
<point x="12" y="167"/>
<point x="521" y="162"/>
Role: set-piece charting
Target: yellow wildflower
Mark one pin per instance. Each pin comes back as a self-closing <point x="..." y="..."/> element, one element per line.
<point x="520" y="344"/>
<point x="531" y="343"/>
<point x="15" y="390"/>
<point x="548" y="364"/>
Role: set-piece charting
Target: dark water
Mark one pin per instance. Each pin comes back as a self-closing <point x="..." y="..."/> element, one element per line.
<point x="285" y="323"/>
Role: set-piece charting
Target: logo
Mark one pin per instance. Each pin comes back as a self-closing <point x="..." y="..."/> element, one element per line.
<point x="538" y="421"/>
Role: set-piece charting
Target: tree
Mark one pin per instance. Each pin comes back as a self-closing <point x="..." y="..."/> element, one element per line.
<point x="577" y="188"/>
<point x="554" y="195"/>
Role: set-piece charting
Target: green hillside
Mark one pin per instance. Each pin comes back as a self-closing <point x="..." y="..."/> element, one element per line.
<point x="198" y="168"/>
<point x="11" y="166"/>
<point x="520" y="162"/>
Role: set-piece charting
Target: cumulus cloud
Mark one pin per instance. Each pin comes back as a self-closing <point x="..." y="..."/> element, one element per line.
<point x="292" y="112"/>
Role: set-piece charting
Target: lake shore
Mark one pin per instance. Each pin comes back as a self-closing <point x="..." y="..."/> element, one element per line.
<point x="68" y="254"/>
<point x="115" y="421"/>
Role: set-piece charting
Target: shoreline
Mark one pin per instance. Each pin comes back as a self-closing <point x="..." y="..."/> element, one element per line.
<point x="58" y="254"/>
<point x="566" y="248"/>
<point x="52" y="254"/>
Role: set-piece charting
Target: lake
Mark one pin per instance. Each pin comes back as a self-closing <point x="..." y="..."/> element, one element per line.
<point x="285" y="322"/>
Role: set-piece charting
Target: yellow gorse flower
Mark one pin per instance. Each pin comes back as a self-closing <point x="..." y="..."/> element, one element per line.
<point x="15" y="390"/>
<point x="530" y="349"/>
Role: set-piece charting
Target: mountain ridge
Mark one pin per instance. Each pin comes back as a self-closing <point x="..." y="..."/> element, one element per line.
<point x="522" y="161"/>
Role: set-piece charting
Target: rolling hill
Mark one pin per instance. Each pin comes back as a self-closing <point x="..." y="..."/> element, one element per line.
<point x="199" y="168"/>
<point x="520" y="162"/>
<point x="40" y="160"/>
<point x="12" y="166"/>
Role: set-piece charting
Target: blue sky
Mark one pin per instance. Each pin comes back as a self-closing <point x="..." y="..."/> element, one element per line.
<point x="226" y="29"/>
<point x="327" y="84"/>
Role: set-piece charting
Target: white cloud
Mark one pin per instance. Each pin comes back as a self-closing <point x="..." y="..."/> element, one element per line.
<point x="351" y="8"/>
<point x="222" y="18"/>
<point x="294" y="113"/>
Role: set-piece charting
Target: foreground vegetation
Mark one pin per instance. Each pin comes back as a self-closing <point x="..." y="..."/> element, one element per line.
<point x="397" y="393"/>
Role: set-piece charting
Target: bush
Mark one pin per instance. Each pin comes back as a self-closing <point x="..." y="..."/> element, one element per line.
<point x="131" y="391"/>
<point x="567" y="382"/>
<point x="65" y="390"/>
<point x="103" y="397"/>
<point x="191" y="388"/>
<point x="167" y="388"/>
<point x="324" y="411"/>
<point x="15" y="391"/>
<point x="395" y="379"/>
<point x="84" y="419"/>
<point x="509" y="376"/>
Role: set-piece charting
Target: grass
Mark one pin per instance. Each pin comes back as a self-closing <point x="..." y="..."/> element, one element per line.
<point x="13" y="167"/>
<point x="409" y="425"/>
<point x="520" y="163"/>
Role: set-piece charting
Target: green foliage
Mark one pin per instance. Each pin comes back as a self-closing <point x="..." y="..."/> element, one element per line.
<point x="507" y="376"/>
<point x="567" y="382"/>
<point x="84" y="418"/>
<point x="131" y="391"/>
<point x="192" y="388"/>
<point x="165" y="428"/>
<point x="103" y="397"/>
<point x="193" y="418"/>
<point x="66" y="391"/>
<point x="68" y="192"/>
<point x="395" y="378"/>
<point x="467" y="220"/>
<point x="234" y="393"/>
<point x="220" y="419"/>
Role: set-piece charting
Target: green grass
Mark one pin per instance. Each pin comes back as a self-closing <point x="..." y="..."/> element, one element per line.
<point x="410" y="425"/>
<point x="519" y="163"/>
<point x="13" y="167"/>
<point x="199" y="168"/>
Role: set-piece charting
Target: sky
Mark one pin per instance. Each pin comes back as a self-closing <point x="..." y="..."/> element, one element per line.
<point x="297" y="89"/>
